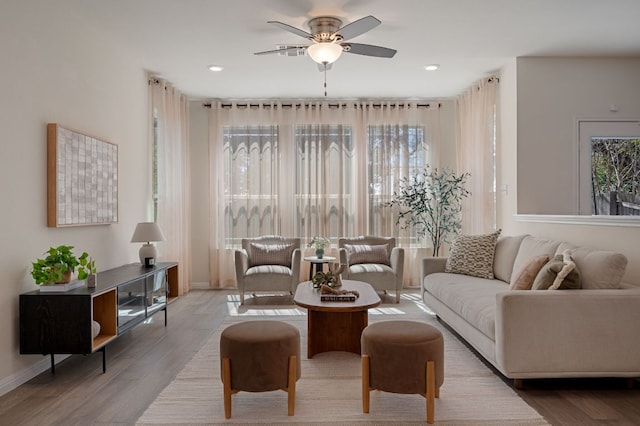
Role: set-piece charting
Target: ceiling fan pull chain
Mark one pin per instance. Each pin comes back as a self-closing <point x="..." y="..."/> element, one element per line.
<point x="325" y="79"/>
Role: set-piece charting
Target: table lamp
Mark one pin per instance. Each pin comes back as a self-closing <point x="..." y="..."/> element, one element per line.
<point x="147" y="232"/>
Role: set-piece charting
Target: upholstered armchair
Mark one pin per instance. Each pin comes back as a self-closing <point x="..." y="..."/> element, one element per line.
<point x="268" y="264"/>
<point x="374" y="260"/>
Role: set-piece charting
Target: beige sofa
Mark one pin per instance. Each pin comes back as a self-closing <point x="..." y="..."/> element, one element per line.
<point x="586" y="332"/>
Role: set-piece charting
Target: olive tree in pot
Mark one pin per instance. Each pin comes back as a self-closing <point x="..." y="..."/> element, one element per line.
<point x="431" y="203"/>
<point x="59" y="264"/>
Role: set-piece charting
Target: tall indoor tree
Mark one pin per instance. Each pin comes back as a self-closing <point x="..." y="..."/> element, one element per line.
<point x="431" y="202"/>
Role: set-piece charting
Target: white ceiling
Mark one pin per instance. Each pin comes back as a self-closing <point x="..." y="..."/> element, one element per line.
<point x="179" y="39"/>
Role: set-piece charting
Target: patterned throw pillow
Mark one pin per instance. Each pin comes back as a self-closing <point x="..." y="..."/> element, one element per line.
<point x="364" y="253"/>
<point x="270" y="254"/>
<point x="473" y="255"/>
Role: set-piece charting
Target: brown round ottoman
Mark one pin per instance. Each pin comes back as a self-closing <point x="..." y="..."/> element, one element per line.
<point x="259" y="356"/>
<point x="402" y="357"/>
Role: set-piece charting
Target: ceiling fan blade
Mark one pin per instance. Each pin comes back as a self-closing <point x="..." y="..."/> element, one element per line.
<point x="358" y="27"/>
<point x="369" y="50"/>
<point x="287" y="49"/>
<point x="294" y="30"/>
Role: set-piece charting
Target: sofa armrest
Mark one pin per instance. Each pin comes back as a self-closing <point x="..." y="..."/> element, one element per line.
<point x="431" y="265"/>
<point x="568" y="333"/>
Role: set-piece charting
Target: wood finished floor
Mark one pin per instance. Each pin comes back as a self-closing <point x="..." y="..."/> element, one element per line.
<point x="142" y="362"/>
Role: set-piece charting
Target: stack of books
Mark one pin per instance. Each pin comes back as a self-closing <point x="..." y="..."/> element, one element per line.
<point x="337" y="297"/>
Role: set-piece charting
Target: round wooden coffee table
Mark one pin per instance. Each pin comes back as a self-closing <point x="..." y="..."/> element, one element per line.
<point x="335" y="326"/>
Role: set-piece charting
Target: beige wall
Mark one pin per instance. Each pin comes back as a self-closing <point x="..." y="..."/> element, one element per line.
<point x="56" y="69"/>
<point x="200" y="180"/>
<point x="553" y="93"/>
<point x="541" y="98"/>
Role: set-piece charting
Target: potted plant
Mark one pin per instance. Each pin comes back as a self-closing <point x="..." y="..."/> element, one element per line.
<point x="319" y="243"/>
<point x="59" y="264"/>
<point x="431" y="202"/>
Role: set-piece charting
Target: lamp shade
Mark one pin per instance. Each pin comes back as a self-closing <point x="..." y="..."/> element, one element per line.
<point x="325" y="52"/>
<point x="147" y="232"/>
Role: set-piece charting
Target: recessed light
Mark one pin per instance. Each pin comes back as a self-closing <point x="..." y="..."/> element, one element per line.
<point x="215" y="68"/>
<point x="432" y="67"/>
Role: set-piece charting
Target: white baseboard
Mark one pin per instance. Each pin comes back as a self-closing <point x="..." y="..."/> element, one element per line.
<point x="13" y="381"/>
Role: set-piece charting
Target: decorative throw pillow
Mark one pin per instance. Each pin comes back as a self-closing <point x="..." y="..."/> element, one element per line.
<point x="523" y="279"/>
<point x="364" y="253"/>
<point x="559" y="273"/>
<point x="270" y="254"/>
<point x="473" y="255"/>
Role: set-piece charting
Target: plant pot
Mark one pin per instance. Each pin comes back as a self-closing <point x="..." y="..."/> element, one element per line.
<point x="65" y="278"/>
<point x="319" y="253"/>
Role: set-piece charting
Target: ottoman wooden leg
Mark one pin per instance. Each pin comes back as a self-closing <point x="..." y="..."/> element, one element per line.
<point x="226" y="386"/>
<point x="291" y="389"/>
<point x="431" y="390"/>
<point x="365" y="383"/>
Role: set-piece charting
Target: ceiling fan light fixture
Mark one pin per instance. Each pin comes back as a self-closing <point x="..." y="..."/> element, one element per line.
<point x="325" y="52"/>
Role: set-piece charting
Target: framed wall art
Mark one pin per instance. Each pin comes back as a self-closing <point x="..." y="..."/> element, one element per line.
<point x="82" y="179"/>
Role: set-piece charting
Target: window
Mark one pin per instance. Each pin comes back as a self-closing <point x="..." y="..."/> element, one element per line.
<point x="306" y="170"/>
<point x="324" y="181"/>
<point x="609" y="168"/>
<point x="154" y="167"/>
<point x="394" y="152"/>
<point x="251" y="164"/>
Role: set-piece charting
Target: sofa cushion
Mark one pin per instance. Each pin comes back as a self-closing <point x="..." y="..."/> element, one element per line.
<point x="473" y="255"/>
<point x="270" y="254"/>
<point x="557" y="274"/>
<point x="506" y="252"/>
<point x="523" y="280"/>
<point x="531" y="247"/>
<point x="474" y="299"/>
<point x="365" y="253"/>
<point x="598" y="268"/>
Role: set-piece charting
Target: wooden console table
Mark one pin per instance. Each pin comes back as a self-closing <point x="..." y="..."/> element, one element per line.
<point x="62" y="323"/>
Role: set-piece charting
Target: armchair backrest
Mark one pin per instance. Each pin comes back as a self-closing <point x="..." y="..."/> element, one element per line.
<point x="270" y="250"/>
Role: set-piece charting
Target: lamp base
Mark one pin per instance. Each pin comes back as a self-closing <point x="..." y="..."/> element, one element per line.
<point x="148" y="251"/>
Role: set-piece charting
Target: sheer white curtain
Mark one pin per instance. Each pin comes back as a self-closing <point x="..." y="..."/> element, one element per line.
<point x="321" y="184"/>
<point x="170" y="111"/>
<point x="476" y="124"/>
<point x="401" y="140"/>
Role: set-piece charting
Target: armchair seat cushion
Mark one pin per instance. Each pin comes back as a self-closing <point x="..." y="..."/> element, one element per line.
<point x="363" y="268"/>
<point x="269" y="269"/>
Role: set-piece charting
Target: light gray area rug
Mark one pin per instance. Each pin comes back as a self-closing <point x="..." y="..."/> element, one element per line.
<point x="329" y="391"/>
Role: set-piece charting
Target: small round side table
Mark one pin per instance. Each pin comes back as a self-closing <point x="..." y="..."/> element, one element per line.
<point x="318" y="263"/>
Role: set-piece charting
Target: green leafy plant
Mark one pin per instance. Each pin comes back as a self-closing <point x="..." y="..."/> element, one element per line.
<point x="59" y="264"/>
<point x="319" y="243"/>
<point x="431" y="202"/>
<point x="327" y="278"/>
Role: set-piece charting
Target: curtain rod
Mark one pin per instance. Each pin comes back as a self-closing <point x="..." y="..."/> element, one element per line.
<point x="300" y="105"/>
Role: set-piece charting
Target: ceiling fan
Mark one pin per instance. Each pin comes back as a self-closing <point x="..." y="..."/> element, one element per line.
<point x="329" y="39"/>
